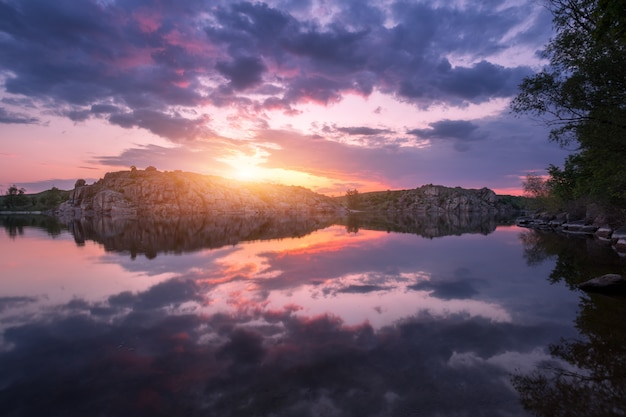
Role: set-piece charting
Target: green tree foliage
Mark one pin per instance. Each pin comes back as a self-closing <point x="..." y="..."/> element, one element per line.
<point x="15" y="197"/>
<point x="537" y="189"/>
<point x="581" y="95"/>
<point x="535" y="186"/>
<point x="352" y="197"/>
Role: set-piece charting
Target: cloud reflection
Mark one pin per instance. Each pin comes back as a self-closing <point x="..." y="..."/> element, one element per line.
<point x="256" y="361"/>
<point x="331" y="323"/>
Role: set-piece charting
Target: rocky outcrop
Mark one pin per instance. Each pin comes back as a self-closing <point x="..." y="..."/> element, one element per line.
<point x="158" y="194"/>
<point x="609" y="283"/>
<point x="434" y="199"/>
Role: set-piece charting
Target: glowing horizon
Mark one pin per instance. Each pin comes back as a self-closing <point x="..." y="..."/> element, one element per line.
<point x="324" y="98"/>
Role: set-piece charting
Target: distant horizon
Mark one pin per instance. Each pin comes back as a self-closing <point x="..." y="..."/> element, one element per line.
<point x="68" y="185"/>
<point x="331" y="96"/>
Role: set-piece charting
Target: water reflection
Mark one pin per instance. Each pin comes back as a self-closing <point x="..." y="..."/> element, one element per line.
<point x="185" y="234"/>
<point x="587" y="373"/>
<point x="427" y="224"/>
<point x="578" y="257"/>
<point x="15" y="224"/>
<point x="332" y="322"/>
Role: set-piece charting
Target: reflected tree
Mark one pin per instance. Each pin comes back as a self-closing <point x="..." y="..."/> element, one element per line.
<point x="352" y="224"/>
<point x="588" y="374"/>
<point x="592" y="378"/>
<point x="15" y="224"/>
<point x="577" y="258"/>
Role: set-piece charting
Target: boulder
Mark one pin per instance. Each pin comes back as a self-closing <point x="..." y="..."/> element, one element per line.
<point x="620" y="247"/>
<point x="604" y="233"/>
<point x="609" y="283"/>
<point x="619" y="233"/>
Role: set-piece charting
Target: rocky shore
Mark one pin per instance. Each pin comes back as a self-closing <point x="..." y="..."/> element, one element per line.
<point x="434" y="200"/>
<point x="594" y="224"/>
<point x="614" y="236"/>
<point x="155" y="194"/>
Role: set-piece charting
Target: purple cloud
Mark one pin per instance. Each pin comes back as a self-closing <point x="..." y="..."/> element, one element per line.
<point x="147" y="59"/>
<point x="16" y="118"/>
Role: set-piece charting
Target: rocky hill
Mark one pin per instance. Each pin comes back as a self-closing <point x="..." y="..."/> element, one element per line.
<point x="431" y="199"/>
<point x="157" y="194"/>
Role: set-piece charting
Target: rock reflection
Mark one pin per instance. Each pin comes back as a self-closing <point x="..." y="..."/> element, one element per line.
<point x="578" y="258"/>
<point x="427" y="225"/>
<point x="190" y="233"/>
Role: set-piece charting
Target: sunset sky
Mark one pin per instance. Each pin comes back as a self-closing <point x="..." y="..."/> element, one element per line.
<point x="330" y="95"/>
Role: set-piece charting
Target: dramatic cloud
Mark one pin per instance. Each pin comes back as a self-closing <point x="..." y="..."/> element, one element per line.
<point x="447" y="129"/>
<point x="147" y="56"/>
<point x="9" y="117"/>
<point x="203" y="71"/>
<point x="8" y="302"/>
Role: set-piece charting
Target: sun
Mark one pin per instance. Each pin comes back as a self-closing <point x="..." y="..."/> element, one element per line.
<point x="247" y="173"/>
<point x="244" y="169"/>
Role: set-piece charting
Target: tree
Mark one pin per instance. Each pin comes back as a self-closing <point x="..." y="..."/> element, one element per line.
<point x="535" y="186"/>
<point x="15" y="197"/>
<point x="539" y="190"/>
<point x="352" y="197"/>
<point x="581" y="95"/>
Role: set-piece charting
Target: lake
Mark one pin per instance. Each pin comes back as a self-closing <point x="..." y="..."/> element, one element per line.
<point x="305" y="316"/>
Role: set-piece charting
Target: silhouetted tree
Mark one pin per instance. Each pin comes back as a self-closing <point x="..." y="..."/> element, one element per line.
<point x="15" y="197"/>
<point x="581" y="95"/>
<point x="352" y="197"/>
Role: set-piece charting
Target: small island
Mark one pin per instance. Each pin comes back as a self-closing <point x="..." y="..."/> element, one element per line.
<point x="153" y="193"/>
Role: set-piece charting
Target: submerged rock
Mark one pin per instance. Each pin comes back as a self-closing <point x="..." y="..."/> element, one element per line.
<point x="609" y="283"/>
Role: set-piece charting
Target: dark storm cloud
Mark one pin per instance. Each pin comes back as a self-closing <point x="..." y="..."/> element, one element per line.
<point x="172" y="126"/>
<point x="362" y="289"/>
<point x="243" y="72"/>
<point x="447" y="129"/>
<point x="151" y="57"/>
<point x="362" y="130"/>
<point x="16" y="118"/>
<point x="9" y="302"/>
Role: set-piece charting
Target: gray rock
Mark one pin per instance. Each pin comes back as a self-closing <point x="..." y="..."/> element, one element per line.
<point x="165" y="194"/>
<point x="620" y="246"/>
<point x="604" y="233"/>
<point x="619" y="233"/>
<point x="609" y="283"/>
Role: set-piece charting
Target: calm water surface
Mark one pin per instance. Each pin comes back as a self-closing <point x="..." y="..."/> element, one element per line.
<point x="305" y="317"/>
